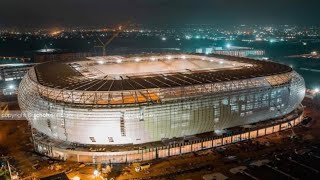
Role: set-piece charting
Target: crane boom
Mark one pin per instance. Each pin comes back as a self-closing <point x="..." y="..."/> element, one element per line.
<point x="104" y="45"/>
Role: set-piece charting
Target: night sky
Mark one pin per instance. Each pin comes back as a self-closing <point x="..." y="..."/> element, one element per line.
<point x="104" y="12"/>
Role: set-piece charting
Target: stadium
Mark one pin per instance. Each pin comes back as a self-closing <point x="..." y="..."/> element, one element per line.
<point x="140" y="101"/>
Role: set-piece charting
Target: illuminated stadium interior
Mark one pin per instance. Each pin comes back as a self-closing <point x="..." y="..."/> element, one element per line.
<point x="148" y="66"/>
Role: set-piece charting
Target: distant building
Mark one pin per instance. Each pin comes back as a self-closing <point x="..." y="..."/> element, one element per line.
<point x="9" y="72"/>
<point x="199" y="50"/>
<point x="12" y="70"/>
<point x="10" y="77"/>
<point x="209" y="50"/>
<point x="12" y="60"/>
<point x="45" y="55"/>
<point x="240" y="52"/>
<point x="231" y="51"/>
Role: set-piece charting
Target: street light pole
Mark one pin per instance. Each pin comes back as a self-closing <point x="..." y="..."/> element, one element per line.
<point x="9" y="168"/>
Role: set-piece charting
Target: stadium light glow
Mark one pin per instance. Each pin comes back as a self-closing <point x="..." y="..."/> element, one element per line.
<point x="228" y="45"/>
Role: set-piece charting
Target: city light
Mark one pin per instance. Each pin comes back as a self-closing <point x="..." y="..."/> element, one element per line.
<point x="272" y="40"/>
<point x="76" y="178"/>
<point x="163" y="38"/>
<point x="183" y="57"/>
<point x="96" y="173"/>
<point x="137" y="59"/>
<point x="119" y="60"/>
<point x="153" y="58"/>
<point x="55" y="33"/>
<point x="11" y="86"/>
<point x="228" y="45"/>
<point x="316" y="90"/>
<point x="169" y="57"/>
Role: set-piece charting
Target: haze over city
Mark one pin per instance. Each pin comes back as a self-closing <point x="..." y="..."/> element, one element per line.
<point x="157" y="12"/>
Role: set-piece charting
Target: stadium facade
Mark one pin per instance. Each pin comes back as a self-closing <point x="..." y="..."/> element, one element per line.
<point x="123" y="100"/>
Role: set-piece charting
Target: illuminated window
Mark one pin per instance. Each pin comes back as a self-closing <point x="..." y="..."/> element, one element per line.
<point x="234" y="108"/>
<point x="225" y="101"/>
<point x="243" y="107"/>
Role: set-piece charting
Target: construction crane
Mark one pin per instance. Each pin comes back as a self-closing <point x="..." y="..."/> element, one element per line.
<point x="104" y="45"/>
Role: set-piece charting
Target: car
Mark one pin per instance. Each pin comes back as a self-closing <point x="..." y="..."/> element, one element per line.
<point x="142" y="167"/>
<point x="36" y="166"/>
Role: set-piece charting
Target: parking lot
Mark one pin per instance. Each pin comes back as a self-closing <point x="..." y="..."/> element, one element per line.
<point x="301" y="164"/>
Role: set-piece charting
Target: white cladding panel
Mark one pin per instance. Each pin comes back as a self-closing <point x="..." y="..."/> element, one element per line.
<point x="148" y="123"/>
